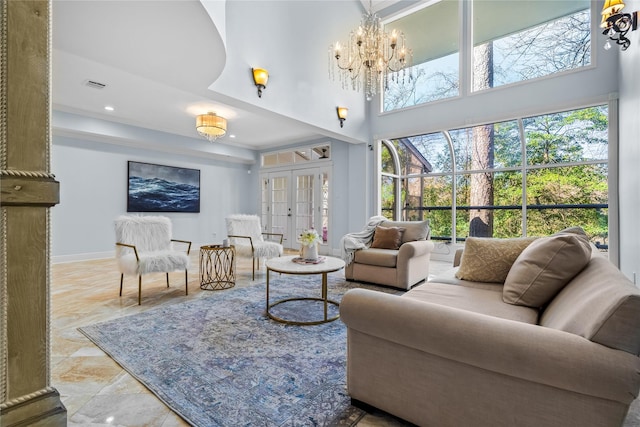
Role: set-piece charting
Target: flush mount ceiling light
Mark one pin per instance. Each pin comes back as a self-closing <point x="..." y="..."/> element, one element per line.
<point x="370" y="56"/>
<point x="260" y="78"/>
<point x="617" y="24"/>
<point x="211" y="126"/>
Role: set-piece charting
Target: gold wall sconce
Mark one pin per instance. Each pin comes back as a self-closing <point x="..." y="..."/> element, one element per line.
<point x="342" y="114"/>
<point x="260" y="78"/>
<point x="617" y="24"/>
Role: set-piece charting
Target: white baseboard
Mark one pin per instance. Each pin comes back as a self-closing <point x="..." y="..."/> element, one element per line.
<point x="59" y="259"/>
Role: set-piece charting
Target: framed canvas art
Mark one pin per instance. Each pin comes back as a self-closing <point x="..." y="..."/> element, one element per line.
<point x="158" y="188"/>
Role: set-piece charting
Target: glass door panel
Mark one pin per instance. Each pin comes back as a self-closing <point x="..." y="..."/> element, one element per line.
<point x="280" y="206"/>
<point x="324" y="203"/>
<point x="304" y="202"/>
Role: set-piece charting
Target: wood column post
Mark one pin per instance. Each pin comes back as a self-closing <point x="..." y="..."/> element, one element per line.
<point x="27" y="191"/>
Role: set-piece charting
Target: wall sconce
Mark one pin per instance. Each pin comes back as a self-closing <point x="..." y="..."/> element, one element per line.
<point x="342" y="114"/>
<point x="260" y="78"/>
<point x="616" y="24"/>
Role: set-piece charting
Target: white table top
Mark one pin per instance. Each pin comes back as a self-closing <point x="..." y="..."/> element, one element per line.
<point x="286" y="265"/>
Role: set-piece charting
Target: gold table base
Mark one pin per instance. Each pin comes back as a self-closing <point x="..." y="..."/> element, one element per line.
<point x="217" y="267"/>
<point x="303" y="323"/>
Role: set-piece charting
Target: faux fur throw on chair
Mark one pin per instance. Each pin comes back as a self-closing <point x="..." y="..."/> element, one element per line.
<point x="151" y="235"/>
<point x="249" y="225"/>
<point x="351" y="242"/>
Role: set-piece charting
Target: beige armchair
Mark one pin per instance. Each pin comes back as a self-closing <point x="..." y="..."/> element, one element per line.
<point x="400" y="262"/>
<point x="246" y="235"/>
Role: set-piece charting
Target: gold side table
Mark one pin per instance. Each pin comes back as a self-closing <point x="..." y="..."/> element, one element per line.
<point x="217" y="267"/>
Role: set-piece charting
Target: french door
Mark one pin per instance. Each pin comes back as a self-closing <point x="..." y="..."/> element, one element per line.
<point x="295" y="200"/>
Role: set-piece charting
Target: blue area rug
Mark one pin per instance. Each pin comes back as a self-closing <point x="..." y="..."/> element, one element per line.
<point x="219" y="361"/>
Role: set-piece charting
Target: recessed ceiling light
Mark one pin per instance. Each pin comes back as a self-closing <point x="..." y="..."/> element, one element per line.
<point x="109" y="108"/>
<point x="232" y="136"/>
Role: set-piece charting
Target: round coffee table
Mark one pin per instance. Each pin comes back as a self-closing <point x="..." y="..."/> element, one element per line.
<point x="286" y="265"/>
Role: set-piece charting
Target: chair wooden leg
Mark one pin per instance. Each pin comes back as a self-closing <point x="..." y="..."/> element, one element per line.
<point x="253" y="266"/>
<point x="140" y="290"/>
<point x="167" y="280"/>
<point x="186" y="282"/>
<point x="121" y="279"/>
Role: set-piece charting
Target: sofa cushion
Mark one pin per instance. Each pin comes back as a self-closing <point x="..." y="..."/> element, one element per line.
<point x="487" y="259"/>
<point x="387" y="237"/>
<point x="481" y="301"/>
<point x="378" y="257"/>
<point x="599" y="304"/>
<point x="449" y="277"/>
<point x="545" y="267"/>
<point x="413" y="230"/>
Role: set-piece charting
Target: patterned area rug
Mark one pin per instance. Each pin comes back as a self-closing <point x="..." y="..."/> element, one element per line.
<point x="219" y="361"/>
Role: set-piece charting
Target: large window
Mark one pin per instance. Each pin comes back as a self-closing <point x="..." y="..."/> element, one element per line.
<point x="512" y="41"/>
<point x="530" y="176"/>
<point x="523" y="40"/>
<point x="433" y="35"/>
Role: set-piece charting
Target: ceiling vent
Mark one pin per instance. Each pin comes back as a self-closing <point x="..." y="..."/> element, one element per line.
<point x="94" y="84"/>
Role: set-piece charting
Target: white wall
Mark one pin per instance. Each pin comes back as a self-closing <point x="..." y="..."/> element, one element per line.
<point x="93" y="192"/>
<point x="629" y="153"/>
<point x="291" y="40"/>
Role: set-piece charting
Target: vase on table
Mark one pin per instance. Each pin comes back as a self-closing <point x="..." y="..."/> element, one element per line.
<point x="309" y="252"/>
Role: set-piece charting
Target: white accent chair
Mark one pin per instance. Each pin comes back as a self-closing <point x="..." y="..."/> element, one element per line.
<point x="144" y="245"/>
<point x="246" y="235"/>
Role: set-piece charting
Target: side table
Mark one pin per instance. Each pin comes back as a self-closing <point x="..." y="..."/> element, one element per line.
<point x="217" y="267"/>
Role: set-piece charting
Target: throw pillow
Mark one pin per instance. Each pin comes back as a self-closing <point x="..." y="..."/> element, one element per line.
<point x="545" y="267"/>
<point x="413" y="230"/>
<point x="387" y="237"/>
<point x="486" y="259"/>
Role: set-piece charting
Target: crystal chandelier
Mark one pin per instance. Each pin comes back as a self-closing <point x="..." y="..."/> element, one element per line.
<point x="370" y="57"/>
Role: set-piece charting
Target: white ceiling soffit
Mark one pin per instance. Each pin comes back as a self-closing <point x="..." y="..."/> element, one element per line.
<point x="156" y="60"/>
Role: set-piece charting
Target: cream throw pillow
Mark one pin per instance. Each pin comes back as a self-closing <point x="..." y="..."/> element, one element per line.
<point x="545" y="267"/>
<point x="486" y="259"/>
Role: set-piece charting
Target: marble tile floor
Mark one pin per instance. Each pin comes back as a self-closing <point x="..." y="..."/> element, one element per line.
<point x="96" y="390"/>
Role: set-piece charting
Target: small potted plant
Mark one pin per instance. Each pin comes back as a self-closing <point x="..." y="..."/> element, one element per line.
<point x="309" y="240"/>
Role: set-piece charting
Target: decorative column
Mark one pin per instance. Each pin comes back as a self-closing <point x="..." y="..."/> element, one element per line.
<point x="28" y="190"/>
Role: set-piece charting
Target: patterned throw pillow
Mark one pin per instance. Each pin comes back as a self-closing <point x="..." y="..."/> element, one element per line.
<point x="387" y="237"/>
<point x="488" y="259"/>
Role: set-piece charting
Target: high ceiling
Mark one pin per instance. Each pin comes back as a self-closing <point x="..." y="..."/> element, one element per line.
<point x="149" y="57"/>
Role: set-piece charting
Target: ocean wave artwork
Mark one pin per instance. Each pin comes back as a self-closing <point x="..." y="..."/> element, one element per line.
<point x="157" y="192"/>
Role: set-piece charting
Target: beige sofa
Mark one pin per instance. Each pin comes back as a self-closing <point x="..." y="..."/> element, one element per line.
<point x="401" y="268"/>
<point x="452" y="352"/>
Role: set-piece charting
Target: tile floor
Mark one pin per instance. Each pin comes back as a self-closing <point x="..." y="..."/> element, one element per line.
<point x="95" y="390"/>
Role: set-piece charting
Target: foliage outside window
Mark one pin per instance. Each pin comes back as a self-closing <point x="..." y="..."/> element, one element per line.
<point x="388" y="182"/>
<point x="563" y="177"/>
<point x="523" y="40"/>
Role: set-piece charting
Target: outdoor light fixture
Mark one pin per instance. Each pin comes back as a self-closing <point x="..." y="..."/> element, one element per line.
<point x="342" y="114"/>
<point x="617" y="24"/>
<point x="211" y="126"/>
<point x="260" y="78"/>
<point x="370" y="56"/>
